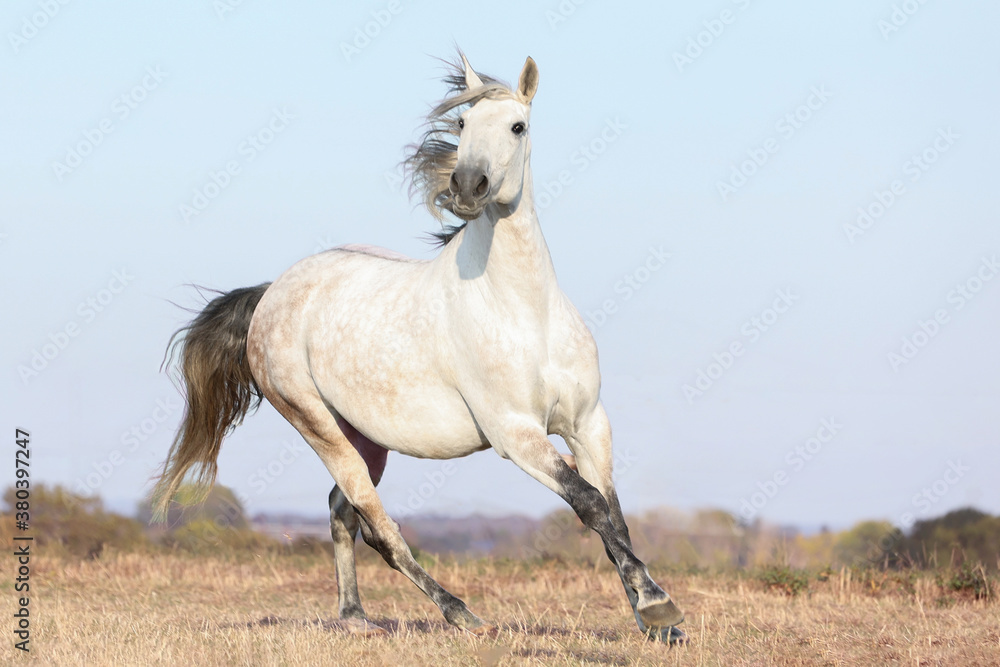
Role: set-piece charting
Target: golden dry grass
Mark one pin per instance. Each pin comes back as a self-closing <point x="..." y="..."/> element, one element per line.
<point x="153" y="609"/>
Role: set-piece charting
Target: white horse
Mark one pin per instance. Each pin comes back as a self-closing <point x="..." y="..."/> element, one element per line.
<point x="364" y="351"/>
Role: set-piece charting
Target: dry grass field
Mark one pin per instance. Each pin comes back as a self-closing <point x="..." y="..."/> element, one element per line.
<point x="163" y="609"/>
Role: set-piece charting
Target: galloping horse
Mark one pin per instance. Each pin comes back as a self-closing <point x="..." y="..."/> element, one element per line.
<point x="364" y="351"/>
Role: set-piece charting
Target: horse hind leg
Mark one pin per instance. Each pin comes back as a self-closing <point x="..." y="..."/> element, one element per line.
<point x="344" y="530"/>
<point x="344" y="526"/>
<point x="327" y="434"/>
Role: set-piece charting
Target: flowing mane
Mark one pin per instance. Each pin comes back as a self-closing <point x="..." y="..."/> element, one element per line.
<point x="429" y="164"/>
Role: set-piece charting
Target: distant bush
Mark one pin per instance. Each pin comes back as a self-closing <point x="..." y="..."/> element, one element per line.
<point x="63" y="521"/>
<point x="784" y="579"/>
<point x="205" y="537"/>
<point x="221" y="507"/>
<point x="216" y="526"/>
<point x="869" y="543"/>
<point x="969" y="580"/>
<point x="879" y="581"/>
<point x="965" y="535"/>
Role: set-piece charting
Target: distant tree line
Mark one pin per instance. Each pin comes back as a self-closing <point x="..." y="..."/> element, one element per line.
<point x="63" y="522"/>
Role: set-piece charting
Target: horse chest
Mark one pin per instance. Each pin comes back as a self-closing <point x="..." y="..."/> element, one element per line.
<point x="543" y="369"/>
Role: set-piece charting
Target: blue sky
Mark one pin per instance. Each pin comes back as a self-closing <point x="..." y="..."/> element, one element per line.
<point x="777" y="217"/>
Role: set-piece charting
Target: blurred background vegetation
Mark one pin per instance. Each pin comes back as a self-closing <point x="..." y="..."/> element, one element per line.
<point x="65" y="523"/>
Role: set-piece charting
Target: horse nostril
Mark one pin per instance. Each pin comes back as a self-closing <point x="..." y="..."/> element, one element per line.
<point x="469" y="184"/>
<point x="483" y="187"/>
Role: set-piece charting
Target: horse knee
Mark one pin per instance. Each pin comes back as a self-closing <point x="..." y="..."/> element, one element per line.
<point x="389" y="543"/>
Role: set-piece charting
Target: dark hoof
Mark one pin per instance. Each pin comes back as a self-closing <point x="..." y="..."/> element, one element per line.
<point x="672" y="636"/>
<point x="463" y="619"/>
<point x="661" y="614"/>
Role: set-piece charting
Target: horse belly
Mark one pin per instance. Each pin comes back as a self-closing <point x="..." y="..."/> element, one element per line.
<point x="384" y="381"/>
<point x="416" y="419"/>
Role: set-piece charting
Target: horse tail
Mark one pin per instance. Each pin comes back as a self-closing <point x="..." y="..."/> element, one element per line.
<point x="220" y="390"/>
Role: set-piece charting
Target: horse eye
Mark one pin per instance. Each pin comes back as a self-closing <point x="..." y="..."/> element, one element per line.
<point x="518" y="128"/>
<point x="461" y="123"/>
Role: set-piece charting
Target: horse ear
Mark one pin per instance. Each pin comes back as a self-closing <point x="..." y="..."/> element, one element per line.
<point x="472" y="79"/>
<point x="528" y="83"/>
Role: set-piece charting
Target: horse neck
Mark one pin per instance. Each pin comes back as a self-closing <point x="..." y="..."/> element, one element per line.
<point x="506" y="247"/>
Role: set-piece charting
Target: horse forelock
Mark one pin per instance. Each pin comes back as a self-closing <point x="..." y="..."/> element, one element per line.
<point x="429" y="164"/>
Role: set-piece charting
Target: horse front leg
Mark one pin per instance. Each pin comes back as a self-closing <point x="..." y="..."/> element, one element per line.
<point x="590" y="492"/>
<point x="592" y="449"/>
